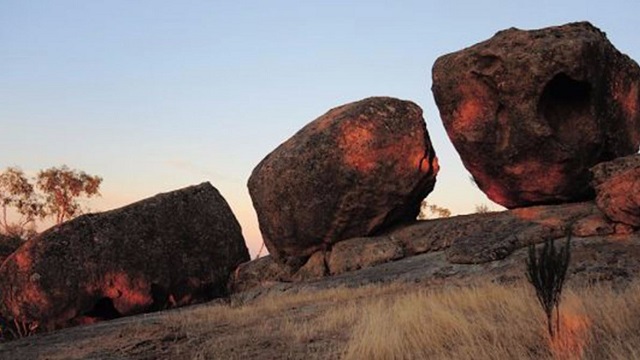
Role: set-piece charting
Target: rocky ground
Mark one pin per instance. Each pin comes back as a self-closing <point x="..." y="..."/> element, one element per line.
<point x="611" y="258"/>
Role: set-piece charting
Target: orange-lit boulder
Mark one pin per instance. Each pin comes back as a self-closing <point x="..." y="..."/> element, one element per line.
<point x="352" y="172"/>
<point x="173" y="249"/>
<point x="617" y="185"/>
<point x="530" y="112"/>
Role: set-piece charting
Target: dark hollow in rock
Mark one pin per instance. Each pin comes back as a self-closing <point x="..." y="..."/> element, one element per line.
<point x="103" y="310"/>
<point x="566" y="104"/>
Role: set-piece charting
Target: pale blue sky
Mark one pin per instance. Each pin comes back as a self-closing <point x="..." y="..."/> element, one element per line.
<point x="157" y="95"/>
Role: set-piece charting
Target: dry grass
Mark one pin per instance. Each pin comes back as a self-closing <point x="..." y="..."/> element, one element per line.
<point x="302" y="325"/>
<point x="497" y="322"/>
<point x="407" y="322"/>
<point x="468" y="323"/>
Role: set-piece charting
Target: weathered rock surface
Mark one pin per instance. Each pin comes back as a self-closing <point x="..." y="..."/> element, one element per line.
<point x="611" y="258"/>
<point x="357" y="253"/>
<point x="354" y="171"/>
<point x="8" y="244"/>
<point x="617" y="185"/>
<point x="595" y="224"/>
<point x="260" y="272"/>
<point x="467" y="239"/>
<point x="530" y="112"/>
<point x="173" y="249"/>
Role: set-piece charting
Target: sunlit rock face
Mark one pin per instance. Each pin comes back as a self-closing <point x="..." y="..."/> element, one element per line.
<point x="530" y="112"/>
<point x="617" y="185"/>
<point x="354" y="171"/>
<point x="170" y="250"/>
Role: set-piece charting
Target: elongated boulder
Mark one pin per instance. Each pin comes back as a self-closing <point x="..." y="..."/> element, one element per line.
<point x="617" y="185"/>
<point x="173" y="249"/>
<point x="530" y="112"/>
<point x="352" y="172"/>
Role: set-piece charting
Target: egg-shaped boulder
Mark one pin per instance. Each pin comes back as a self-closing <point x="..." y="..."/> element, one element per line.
<point x="354" y="171"/>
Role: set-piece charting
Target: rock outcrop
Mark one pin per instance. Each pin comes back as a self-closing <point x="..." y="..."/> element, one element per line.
<point x="355" y="171"/>
<point x="460" y="240"/>
<point x="611" y="259"/>
<point x="173" y="249"/>
<point x="530" y="112"/>
<point x="617" y="185"/>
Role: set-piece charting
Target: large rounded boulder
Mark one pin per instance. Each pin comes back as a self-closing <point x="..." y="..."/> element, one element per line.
<point x="173" y="249"/>
<point x="530" y="112"/>
<point x="352" y="172"/>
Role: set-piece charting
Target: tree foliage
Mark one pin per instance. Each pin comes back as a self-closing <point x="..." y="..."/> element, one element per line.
<point x="430" y="211"/>
<point x="62" y="187"/>
<point x="53" y="193"/>
<point x="546" y="271"/>
<point x="18" y="193"/>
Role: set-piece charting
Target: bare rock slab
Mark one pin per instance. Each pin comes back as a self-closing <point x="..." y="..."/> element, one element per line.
<point x="530" y="112"/>
<point x="353" y="172"/>
<point x="465" y="239"/>
<point x="358" y="253"/>
<point x="173" y="249"/>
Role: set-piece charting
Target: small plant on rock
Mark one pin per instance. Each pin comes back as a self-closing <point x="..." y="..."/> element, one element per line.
<point x="546" y="271"/>
<point x="14" y="329"/>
